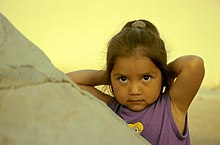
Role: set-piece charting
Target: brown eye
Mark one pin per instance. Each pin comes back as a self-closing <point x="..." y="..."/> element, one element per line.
<point x="146" y="77"/>
<point x="123" y="79"/>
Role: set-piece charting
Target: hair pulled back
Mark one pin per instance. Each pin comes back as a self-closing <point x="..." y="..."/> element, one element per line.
<point x="138" y="34"/>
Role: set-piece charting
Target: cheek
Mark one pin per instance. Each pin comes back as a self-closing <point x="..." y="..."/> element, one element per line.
<point x="115" y="87"/>
<point x="118" y="90"/>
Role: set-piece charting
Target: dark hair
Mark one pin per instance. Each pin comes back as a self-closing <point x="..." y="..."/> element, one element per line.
<point x="146" y="37"/>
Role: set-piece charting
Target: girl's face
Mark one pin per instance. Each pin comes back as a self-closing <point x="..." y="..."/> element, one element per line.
<point x="136" y="81"/>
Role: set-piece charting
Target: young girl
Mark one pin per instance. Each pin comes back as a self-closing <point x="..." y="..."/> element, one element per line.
<point x="150" y="95"/>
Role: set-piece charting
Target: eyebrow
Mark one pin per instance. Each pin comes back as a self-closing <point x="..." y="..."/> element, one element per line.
<point x="147" y="73"/>
<point x="141" y="74"/>
<point x="119" y="74"/>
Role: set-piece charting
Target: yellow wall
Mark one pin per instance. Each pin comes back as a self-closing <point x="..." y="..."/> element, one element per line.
<point x="74" y="33"/>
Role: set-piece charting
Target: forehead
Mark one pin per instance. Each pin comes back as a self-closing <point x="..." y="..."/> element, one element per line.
<point x="134" y="63"/>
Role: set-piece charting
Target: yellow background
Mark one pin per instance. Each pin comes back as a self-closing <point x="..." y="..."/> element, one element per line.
<point x="74" y="34"/>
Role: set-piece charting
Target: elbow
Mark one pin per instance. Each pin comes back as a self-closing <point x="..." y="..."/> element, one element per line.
<point x="196" y="64"/>
<point x="71" y="76"/>
<point x="198" y="61"/>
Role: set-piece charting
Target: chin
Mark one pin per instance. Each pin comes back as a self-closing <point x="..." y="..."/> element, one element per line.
<point x="137" y="108"/>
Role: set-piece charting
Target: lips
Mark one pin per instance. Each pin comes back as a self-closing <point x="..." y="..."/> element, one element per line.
<point x="135" y="101"/>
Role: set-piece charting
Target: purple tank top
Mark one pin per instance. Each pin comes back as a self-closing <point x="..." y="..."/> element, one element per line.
<point x="155" y="123"/>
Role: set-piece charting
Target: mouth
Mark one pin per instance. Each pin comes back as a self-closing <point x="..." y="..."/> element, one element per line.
<point x="135" y="101"/>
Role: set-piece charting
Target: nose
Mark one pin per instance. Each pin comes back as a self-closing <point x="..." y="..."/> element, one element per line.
<point x="134" y="89"/>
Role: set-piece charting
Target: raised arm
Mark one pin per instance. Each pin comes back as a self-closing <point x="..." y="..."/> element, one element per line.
<point x="88" y="79"/>
<point x="189" y="71"/>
